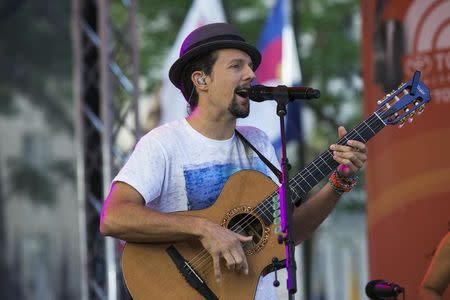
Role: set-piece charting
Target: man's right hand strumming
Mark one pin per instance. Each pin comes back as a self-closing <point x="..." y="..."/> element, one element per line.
<point x="222" y="242"/>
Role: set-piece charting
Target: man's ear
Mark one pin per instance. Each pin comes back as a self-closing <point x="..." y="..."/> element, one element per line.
<point x="199" y="80"/>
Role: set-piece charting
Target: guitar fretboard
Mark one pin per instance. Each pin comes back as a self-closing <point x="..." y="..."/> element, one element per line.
<point x="319" y="168"/>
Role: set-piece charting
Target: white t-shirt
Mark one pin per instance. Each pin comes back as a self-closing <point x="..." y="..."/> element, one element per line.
<point x="176" y="168"/>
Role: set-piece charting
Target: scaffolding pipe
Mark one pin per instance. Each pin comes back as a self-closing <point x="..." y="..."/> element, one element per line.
<point x="106" y="105"/>
<point x="135" y="62"/>
<point x="79" y="140"/>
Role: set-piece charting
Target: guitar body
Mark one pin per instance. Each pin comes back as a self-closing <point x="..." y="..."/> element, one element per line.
<point x="150" y="273"/>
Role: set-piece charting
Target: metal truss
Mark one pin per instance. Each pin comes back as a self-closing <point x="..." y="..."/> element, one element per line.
<point x="105" y="49"/>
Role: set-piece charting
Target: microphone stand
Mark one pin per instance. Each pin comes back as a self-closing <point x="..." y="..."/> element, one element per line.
<point x="281" y="96"/>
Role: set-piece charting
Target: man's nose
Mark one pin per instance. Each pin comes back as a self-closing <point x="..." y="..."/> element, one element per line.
<point x="250" y="74"/>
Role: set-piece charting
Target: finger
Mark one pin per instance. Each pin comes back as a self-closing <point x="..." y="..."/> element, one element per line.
<point x="357" y="145"/>
<point x="216" y="265"/>
<point x="341" y="131"/>
<point x="241" y="260"/>
<point x="356" y="158"/>
<point x="230" y="260"/>
<point x="244" y="238"/>
<point x="245" y="267"/>
<point x="341" y="148"/>
<point x="353" y="160"/>
<point x="237" y="258"/>
<point x="347" y="162"/>
<point x="358" y="149"/>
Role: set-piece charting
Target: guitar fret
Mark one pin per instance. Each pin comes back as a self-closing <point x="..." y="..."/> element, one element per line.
<point x="375" y="113"/>
<point x="320" y="156"/>
<point x="318" y="168"/>
<point x="292" y="181"/>
<point x="312" y="175"/>
<point x="295" y="193"/>
<point x="369" y="127"/>
<point x="300" y="174"/>
<point x="297" y="184"/>
<point x="360" y="136"/>
<point x="270" y="217"/>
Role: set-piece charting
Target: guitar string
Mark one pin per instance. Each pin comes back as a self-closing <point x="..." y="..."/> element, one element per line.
<point x="196" y="264"/>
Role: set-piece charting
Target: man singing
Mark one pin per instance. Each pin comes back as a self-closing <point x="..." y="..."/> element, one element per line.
<point x="183" y="165"/>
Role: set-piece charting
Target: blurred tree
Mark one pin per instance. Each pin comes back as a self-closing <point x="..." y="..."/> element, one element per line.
<point x="160" y="21"/>
<point x="35" y="63"/>
<point x="35" y="59"/>
<point x="330" y="61"/>
<point x="329" y="49"/>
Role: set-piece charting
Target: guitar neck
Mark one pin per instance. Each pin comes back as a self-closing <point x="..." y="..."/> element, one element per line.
<point x="324" y="164"/>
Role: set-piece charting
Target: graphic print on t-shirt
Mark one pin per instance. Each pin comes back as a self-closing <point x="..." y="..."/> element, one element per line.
<point x="204" y="182"/>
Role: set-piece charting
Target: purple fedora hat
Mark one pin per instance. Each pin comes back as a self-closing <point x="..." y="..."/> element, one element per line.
<point x="206" y="39"/>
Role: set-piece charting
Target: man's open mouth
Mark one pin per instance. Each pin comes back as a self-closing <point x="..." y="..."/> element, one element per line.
<point x="241" y="91"/>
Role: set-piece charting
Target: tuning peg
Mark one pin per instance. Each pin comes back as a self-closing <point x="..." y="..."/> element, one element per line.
<point x="421" y="109"/>
<point x="405" y="92"/>
<point x="411" y="117"/>
<point x="402" y="122"/>
<point x="397" y="98"/>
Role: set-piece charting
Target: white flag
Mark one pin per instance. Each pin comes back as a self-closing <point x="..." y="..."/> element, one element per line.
<point x="202" y="12"/>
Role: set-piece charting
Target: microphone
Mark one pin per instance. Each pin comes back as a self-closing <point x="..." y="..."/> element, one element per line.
<point x="260" y="93"/>
<point x="380" y="289"/>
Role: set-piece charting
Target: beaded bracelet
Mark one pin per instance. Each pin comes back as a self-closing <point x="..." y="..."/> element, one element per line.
<point x="341" y="184"/>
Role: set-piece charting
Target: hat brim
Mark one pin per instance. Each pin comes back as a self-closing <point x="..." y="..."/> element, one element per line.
<point x="178" y="66"/>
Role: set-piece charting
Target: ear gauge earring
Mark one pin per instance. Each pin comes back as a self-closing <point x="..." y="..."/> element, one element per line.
<point x="201" y="81"/>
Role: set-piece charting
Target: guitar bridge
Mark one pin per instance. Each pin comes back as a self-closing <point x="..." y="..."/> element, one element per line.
<point x="189" y="274"/>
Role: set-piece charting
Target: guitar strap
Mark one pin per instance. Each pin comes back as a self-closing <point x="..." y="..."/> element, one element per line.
<point x="262" y="157"/>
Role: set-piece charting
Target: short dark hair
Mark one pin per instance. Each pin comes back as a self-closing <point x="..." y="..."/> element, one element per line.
<point x="202" y="63"/>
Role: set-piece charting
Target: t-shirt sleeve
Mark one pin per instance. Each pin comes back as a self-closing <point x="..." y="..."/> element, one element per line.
<point x="145" y="168"/>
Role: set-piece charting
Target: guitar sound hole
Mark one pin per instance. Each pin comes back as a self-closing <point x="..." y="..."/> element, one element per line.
<point x="247" y="225"/>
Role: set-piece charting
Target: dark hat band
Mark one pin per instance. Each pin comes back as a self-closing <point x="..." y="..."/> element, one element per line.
<point x="224" y="37"/>
<point x="206" y="39"/>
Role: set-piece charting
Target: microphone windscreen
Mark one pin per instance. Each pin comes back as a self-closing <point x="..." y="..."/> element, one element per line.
<point x="370" y="287"/>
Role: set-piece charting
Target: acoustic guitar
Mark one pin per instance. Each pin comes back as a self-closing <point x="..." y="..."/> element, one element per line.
<point x="249" y="204"/>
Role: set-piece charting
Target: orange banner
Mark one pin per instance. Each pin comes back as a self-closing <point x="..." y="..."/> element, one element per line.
<point x="408" y="171"/>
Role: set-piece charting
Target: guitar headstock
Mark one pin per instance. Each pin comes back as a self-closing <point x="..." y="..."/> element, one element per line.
<point x="404" y="103"/>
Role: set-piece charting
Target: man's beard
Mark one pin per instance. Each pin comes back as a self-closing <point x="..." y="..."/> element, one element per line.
<point x="239" y="111"/>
